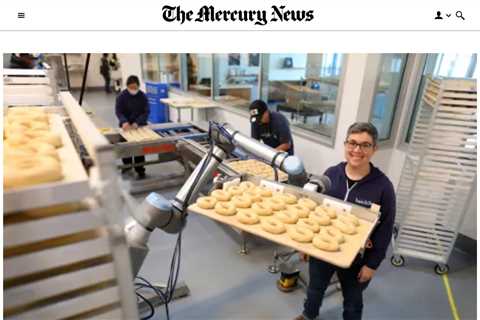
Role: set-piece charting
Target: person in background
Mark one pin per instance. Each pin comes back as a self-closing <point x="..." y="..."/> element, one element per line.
<point x="357" y="181"/>
<point x="132" y="111"/>
<point x="105" y="72"/>
<point x="271" y="127"/>
<point x="116" y="73"/>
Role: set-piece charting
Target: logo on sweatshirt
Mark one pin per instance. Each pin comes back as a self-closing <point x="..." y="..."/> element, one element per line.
<point x="367" y="203"/>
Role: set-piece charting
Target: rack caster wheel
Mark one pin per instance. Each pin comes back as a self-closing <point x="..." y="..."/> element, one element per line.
<point x="441" y="269"/>
<point x="397" y="261"/>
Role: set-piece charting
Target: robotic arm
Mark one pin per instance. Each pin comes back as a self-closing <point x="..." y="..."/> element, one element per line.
<point x="170" y="216"/>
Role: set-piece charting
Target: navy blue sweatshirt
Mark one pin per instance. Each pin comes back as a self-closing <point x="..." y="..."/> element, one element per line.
<point x="132" y="109"/>
<point x="374" y="188"/>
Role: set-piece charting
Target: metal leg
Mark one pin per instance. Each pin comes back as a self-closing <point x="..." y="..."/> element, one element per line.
<point x="273" y="268"/>
<point x="243" y="249"/>
<point x="191" y="114"/>
<point x="179" y="115"/>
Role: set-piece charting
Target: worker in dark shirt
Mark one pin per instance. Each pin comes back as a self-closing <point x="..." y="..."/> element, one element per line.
<point x="271" y="127"/>
<point x="132" y="112"/>
<point x="357" y="181"/>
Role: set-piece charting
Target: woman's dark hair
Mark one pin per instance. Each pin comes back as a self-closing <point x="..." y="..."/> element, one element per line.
<point x="105" y="55"/>
<point x="133" y="79"/>
<point x="359" y="127"/>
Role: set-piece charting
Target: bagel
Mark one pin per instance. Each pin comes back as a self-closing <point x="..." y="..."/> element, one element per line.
<point x="30" y="171"/>
<point x="276" y="203"/>
<point x="272" y="225"/>
<point x="206" y="202"/>
<point x="264" y="192"/>
<point x="28" y="149"/>
<point x="302" y="211"/>
<point x="325" y="243"/>
<point x="331" y="212"/>
<point x="221" y="195"/>
<point x="247" y="217"/>
<point x="235" y="190"/>
<point x="286" y="197"/>
<point x="225" y="208"/>
<point x="34" y="135"/>
<point x="247" y="185"/>
<point x="320" y="217"/>
<point x="309" y="224"/>
<point x="352" y="218"/>
<point x="287" y="217"/>
<point x="253" y="194"/>
<point x="334" y="233"/>
<point x="344" y="225"/>
<point x="242" y="201"/>
<point x="262" y="209"/>
<point x="300" y="234"/>
<point x="309" y="203"/>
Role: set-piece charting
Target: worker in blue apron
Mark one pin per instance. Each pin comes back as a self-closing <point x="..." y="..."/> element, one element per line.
<point x="271" y="127"/>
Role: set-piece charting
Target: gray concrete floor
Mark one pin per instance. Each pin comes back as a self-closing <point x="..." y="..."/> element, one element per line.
<point x="226" y="285"/>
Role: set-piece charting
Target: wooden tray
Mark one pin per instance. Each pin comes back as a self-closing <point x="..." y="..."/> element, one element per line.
<point x="342" y="258"/>
<point x="73" y="187"/>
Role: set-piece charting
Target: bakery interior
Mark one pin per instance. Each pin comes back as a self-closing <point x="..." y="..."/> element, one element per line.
<point x="86" y="237"/>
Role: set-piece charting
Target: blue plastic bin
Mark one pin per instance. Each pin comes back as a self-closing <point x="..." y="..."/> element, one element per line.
<point x="158" y="111"/>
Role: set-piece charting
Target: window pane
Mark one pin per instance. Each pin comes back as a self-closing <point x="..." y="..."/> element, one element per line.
<point x="237" y="75"/>
<point x="150" y="67"/>
<point x="304" y="87"/>
<point x="442" y="65"/>
<point x="386" y="93"/>
<point x="199" y="70"/>
<point x="170" y="68"/>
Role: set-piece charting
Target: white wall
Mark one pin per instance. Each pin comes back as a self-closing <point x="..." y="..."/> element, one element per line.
<point x="130" y="64"/>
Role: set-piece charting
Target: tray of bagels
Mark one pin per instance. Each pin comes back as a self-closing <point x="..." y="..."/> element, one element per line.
<point x="320" y="226"/>
<point x="256" y="168"/>
<point x="41" y="166"/>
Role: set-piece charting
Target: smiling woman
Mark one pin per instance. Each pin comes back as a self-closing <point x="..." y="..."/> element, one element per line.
<point x="358" y="181"/>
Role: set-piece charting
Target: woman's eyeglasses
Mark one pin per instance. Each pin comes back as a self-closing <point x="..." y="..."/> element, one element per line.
<point x="352" y="145"/>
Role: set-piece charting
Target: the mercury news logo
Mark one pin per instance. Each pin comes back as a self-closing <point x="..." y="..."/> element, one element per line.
<point x="258" y="17"/>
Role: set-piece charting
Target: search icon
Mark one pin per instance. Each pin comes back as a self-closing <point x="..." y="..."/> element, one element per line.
<point x="459" y="14"/>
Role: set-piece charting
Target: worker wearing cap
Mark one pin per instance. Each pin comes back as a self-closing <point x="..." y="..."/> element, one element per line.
<point x="271" y="127"/>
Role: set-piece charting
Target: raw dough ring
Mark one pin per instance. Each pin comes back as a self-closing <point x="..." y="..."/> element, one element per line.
<point x="29" y="171"/>
<point x="235" y="190"/>
<point x="300" y="234"/>
<point x="287" y="217"/>
<point x="45" y="136"/>
<point x="320" y="217"/>
<point x="253" y="194"/>
<point x="275" y="203"/>
<point x="206" y="202"/>
<point x="309" y="224"/>
<point x="273" y="225"/>
<point x="325" y="243"/>
<point x="225" y="208"/>
<point x="352" y="219"/>
<point x="309" y="203"/>
<point x="28" y="149"/>
<point x="286" y="197"/>
<point x="302" y="211"/>
<point x="331" y="212"/>
<point x="262" y="209"/>
<point x="334" y="233"/>
<point x="264" y="192"/>
<point x="242" y="201"/>
<point x="247" y="217"/>
<point x="344" y="225"/>
<point x="221" y="195"/>
<point x="247" y="185"/>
